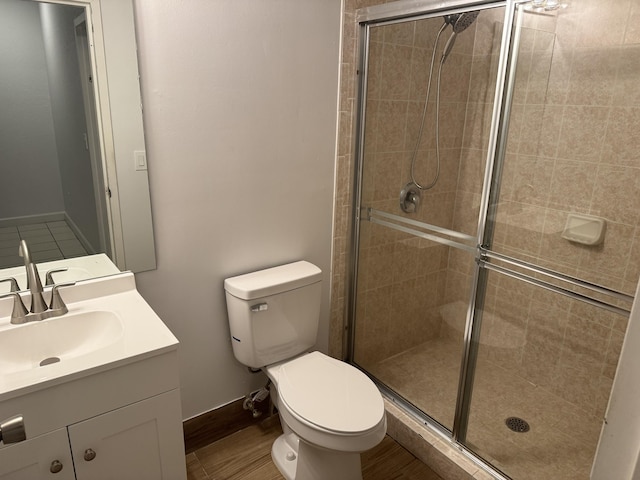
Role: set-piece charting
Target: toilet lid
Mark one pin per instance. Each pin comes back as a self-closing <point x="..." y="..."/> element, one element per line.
<point x="330" y="394"/>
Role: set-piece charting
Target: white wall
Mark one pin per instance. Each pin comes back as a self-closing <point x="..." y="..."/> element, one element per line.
<point x="240" y="118"/>
<point x="618" y="454"/>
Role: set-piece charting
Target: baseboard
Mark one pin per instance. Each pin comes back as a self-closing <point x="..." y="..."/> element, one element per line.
<point x="29" y="219"/>
<point x="79" y="235"/>
<point x="219" y="423"/>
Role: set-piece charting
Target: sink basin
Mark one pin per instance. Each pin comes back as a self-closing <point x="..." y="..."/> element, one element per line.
<point x="40" y="344"/>
<point x="109" y="325"/>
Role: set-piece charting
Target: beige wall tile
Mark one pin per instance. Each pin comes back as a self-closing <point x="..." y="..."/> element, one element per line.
<point x="632" y="32"/>
<point x="622" y="137"/>
<point x="593" y="73"/>
<point x="524" y="230"/>
<point x="538" y="77"/>
<point x="616" y="195"/>
<point x="601" y="26"/>
<point x="572" y="185"/>
<point x="582" y="132"/>
<point x="472" y="170"/>
<point x="612" y="256"/>
<point x="626" y="89"/>
<point x="396" y="71"/>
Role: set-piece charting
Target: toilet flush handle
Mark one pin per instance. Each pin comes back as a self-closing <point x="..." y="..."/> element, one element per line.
<point x="259" y="307"/>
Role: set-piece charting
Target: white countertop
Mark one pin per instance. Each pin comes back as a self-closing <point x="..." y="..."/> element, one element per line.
<point x="142" y="335"/>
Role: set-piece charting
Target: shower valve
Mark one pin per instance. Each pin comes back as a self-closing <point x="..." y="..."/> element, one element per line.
<point x="410" y="198"/>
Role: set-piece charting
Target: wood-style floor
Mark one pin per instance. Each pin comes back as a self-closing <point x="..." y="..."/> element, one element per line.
<point x="246" y="455"/>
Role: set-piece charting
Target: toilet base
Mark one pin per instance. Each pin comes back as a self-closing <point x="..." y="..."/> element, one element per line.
<point x="298" y="460"/>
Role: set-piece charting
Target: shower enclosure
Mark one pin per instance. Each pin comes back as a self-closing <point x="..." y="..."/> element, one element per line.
<point x="496" y="247"/>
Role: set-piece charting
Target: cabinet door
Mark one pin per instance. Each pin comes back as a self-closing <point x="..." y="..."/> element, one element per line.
<point x="143" y="441"/>
<point x="34" y="458"/>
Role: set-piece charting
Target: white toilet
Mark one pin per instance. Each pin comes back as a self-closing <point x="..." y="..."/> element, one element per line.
<point x="330" y="411"/>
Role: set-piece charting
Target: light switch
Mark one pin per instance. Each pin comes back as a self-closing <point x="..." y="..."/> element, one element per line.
<point x="140" y="160"/>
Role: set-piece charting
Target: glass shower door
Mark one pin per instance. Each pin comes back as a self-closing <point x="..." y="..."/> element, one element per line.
<point x="561" y="267"/>
<point x="416" y="265"/>
<point x="543" y="375"/>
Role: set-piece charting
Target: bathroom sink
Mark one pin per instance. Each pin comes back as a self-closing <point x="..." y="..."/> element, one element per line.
<point x="109" y="325"/>
<point x="41" y="344"/>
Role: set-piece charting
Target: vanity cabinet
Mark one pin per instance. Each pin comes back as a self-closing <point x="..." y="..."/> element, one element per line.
<point x="142" y="441"/>
<point x="109" y="406"/>
<point x="34" y="458"/>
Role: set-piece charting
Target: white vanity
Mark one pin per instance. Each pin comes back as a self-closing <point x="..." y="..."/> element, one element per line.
<point x="98" y="388"/>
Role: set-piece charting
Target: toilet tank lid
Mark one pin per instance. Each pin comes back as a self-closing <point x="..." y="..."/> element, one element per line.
<point x="272" y="281"/>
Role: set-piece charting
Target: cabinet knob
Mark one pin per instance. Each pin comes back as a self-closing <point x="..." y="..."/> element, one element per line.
<point x="89" y="454"/>
<point x="56" y="466"/>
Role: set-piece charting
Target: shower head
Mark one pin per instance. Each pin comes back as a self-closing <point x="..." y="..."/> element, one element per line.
<point x="459" y="22"/>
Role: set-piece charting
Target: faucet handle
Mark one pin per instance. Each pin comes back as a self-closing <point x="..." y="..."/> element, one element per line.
<point x="14" y="284"/>
<point x="49" y="275"/>
<point x="57" y="303"/>
<point x="20" y="312"/>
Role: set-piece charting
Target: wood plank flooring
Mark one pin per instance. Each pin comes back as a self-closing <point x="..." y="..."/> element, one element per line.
<point x="246" y="455"/>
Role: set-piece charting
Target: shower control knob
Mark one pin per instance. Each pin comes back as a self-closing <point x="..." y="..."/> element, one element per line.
<point x="410" y="198"/>
<point x="89" y="454"/>
<point x="56" y="466"/>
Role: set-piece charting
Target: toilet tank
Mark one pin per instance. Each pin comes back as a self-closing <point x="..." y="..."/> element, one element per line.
<point x="273" y="313"/>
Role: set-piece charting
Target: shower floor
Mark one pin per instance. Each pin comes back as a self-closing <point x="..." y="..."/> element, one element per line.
<point x="561" y="441"/>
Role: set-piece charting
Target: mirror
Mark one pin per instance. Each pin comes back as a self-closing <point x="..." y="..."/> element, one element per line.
<point x="73" y="158"/>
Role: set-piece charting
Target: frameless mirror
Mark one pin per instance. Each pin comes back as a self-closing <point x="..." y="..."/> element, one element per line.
<point x="73" y="162"/>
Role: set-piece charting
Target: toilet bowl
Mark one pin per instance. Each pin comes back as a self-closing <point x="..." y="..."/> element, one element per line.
<point x="329" y="410"/>
<point x="334" y="411"/>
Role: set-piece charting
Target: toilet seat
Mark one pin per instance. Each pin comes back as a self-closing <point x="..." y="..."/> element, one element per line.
<point x="330" y="395"/>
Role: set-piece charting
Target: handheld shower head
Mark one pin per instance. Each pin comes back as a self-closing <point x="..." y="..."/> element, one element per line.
<point x="463" y="20"/>
<point x="459" y="22"/>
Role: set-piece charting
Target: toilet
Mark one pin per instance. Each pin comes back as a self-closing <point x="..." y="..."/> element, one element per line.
<point x="329" y="410"/>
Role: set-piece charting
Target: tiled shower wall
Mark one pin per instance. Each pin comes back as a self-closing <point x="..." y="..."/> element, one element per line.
<point x="344" y="175"/>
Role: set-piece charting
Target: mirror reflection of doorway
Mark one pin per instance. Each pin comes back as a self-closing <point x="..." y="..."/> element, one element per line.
<point x="52" y="188"/>
<point x="93" y="133"/>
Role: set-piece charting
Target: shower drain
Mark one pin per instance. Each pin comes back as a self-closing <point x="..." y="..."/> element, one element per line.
<point x="517" y="424"/>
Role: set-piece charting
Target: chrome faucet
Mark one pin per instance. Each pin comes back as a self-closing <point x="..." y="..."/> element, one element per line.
<point x="39" y="309"/>
<point x="38" y="304"/>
